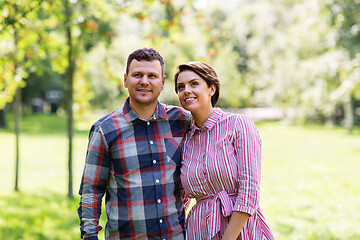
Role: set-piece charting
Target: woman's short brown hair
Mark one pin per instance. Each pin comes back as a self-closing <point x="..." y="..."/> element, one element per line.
<point x="206" y="72"/>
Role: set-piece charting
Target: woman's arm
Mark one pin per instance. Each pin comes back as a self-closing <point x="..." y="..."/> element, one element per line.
<point x="236" y="224"/>
<point x="248" y="152"/>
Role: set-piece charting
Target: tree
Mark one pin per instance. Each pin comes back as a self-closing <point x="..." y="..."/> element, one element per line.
<point x="13" y="30"/>
<point x="77" y="16"/>
<point x="345" y="19"/>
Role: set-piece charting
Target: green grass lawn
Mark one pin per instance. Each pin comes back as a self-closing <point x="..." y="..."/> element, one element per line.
<point x="310" y="185"/>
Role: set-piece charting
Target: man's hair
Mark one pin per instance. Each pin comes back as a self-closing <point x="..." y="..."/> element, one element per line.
<point x="147" y="54"/>
<point x="206" y="72"/>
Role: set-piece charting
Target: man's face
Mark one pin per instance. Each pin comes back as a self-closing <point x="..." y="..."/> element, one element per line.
<point x="144" y="83"/>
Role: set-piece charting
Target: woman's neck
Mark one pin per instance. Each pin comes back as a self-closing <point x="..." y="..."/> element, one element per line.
<point x="201" y="117"/>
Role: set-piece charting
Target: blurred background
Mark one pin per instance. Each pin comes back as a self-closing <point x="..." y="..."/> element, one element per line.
<point x="292" y="66"/>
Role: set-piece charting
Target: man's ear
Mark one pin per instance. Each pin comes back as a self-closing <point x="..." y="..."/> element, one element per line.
<point x="163" y="82"/>
<point x="125" y="80"/>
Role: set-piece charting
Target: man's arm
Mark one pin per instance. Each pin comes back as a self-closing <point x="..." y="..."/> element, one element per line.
<point x="93" y="184"/>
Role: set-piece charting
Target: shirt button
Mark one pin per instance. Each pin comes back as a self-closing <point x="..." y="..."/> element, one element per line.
<point x="154" y="161"/>
<point x="159" y="200"/>
<point x="157" y="181"/>
<point x="160" y="221"/>
<point x="148" y="123"/>
<point x="151" y="142"/>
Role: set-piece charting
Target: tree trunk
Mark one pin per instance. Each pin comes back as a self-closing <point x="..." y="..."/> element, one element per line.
<point x="17" y="109"/>
<point x="349" y="114"/>
<point x="17" y="113"/>
<point x="69" y="95"/>
<point x="2" y="119"/>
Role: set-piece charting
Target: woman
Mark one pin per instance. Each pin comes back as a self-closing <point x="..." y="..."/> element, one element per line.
<point x="221" y="163"/>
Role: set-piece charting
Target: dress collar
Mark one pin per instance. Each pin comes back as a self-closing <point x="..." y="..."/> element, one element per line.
<point x="214" y="117"/>
<point x="209" y="123"/>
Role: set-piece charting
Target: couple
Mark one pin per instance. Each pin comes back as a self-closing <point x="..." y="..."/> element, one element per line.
<point x="138" y="154"/>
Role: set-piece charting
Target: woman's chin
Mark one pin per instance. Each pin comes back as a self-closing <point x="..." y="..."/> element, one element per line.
<point x="186" y="107"/>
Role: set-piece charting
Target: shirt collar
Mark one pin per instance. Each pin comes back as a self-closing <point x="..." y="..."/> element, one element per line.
<point x="209" y="123"/>
<point x="214" y="117"/>
<point x="130" y="115"/>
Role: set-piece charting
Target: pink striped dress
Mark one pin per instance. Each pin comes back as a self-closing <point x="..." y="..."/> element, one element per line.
<point x="221" y="170"/>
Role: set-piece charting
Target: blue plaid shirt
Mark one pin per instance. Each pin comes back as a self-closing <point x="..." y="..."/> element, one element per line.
<point x="136" y="164"/>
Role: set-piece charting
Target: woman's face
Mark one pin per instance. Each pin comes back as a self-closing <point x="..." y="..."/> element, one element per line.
<point x="193" y="92"/>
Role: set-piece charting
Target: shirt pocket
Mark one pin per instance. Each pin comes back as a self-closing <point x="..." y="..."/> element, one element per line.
<point x="172" y="149"/>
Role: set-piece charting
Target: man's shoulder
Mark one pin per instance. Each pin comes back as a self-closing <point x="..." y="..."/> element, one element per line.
<point x="173" y="111"/>
<point x="108" y="118"/>
<point x="169" y="107"/>
<point x="108" y="125"/>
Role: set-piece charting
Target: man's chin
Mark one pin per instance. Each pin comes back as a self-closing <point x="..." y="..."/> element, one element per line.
<point x="146" y="102"/>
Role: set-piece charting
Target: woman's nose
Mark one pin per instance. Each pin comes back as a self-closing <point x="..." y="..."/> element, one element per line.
<point x="186" y="89"/>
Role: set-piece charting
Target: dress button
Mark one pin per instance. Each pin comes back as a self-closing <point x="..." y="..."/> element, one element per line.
<point x="157" y="181"/>
<point x="160" y="221"/>
<point x="151" y="142"/>
<point x="148" y="123"/>
<point x="159" y="201"/>
<point x="154" y="161"/>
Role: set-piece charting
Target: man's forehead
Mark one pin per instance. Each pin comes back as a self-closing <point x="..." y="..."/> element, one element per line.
<point x="155" y="64"/>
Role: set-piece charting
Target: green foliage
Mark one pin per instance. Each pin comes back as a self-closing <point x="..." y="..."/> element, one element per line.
<point x="12" y="46"/>
<point x="38" y="216"/>
<point x="298" y="55"/>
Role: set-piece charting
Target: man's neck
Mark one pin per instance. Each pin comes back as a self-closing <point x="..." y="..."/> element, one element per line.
<point x="144" y="111"/>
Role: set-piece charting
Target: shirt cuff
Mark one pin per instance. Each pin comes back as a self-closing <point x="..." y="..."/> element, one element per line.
<point x="248" y="210"/>
<point x="91" y="237"/>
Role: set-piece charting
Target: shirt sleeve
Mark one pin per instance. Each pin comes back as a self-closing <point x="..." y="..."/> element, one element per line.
<point x="93" y="184"/>
<point x="248" y="152"/>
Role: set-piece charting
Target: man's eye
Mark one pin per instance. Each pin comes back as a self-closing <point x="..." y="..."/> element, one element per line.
<point x="137" y="75"/>
<point x="152" y="76"/>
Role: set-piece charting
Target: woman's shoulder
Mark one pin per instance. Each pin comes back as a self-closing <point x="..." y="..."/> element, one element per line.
<point x="235" y="117"/>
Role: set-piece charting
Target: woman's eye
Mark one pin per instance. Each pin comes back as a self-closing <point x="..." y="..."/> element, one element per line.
<point x="180" y="88"/>
<point x="194" y="83"/>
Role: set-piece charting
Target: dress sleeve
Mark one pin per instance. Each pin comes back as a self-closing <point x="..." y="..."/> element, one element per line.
<point x="185" y="199"/>
<point x="93" y="184"/>
<point x="247" y="145"/>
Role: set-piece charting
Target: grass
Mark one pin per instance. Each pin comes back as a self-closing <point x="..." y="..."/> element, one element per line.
<point x="310" y="185"/>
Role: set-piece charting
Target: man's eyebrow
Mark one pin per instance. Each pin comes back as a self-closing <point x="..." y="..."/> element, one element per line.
<point x="142" y="72"/>
<point x="154" y="73"/>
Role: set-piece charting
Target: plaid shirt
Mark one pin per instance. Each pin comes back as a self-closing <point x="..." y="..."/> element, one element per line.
<point x="136" y="164"/>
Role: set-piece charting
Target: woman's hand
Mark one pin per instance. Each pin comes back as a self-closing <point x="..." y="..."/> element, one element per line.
<point x="236" y="224"/>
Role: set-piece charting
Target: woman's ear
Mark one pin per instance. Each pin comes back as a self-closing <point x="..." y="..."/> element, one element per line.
<point x="212" y="90"/>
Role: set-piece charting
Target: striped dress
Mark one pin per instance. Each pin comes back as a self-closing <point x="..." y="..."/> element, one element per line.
<point x="221" y="169"/>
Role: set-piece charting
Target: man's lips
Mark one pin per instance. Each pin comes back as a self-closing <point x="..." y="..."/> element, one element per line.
<point x="144" y="90"/>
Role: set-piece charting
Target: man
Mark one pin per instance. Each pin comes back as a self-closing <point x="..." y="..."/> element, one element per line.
<point x="133" y="158"/>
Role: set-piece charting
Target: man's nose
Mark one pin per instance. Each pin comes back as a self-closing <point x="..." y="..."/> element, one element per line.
<point x="144" y="80"/>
